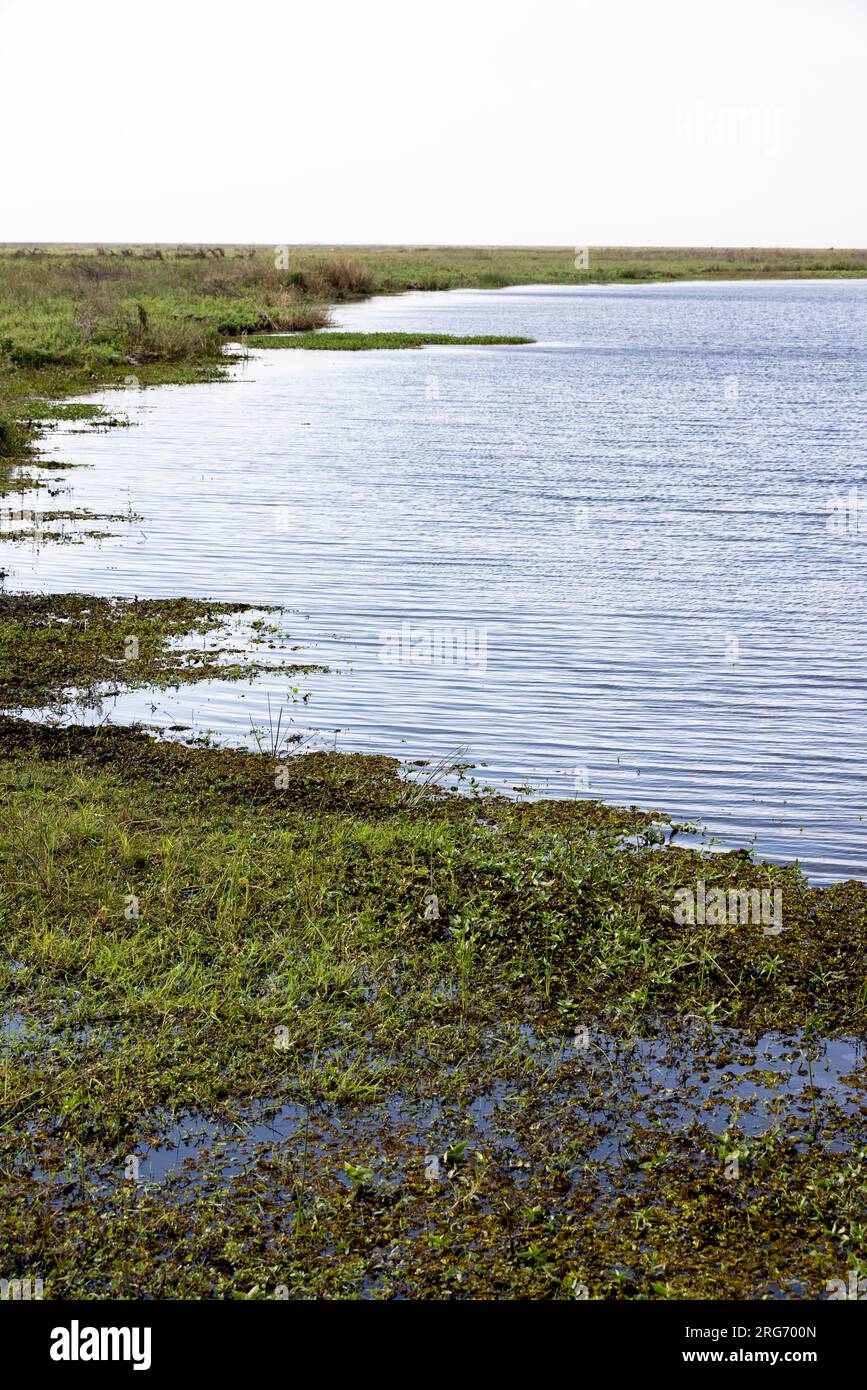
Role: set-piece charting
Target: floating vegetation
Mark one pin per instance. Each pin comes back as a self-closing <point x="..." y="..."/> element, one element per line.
<point x="366" y="342"/>
<point x="50" y="646"/>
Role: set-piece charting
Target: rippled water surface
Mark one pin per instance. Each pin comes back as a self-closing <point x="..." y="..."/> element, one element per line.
<point x="643" y="541"/>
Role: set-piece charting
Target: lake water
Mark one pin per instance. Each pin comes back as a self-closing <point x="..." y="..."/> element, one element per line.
<point x="639" y="544"/>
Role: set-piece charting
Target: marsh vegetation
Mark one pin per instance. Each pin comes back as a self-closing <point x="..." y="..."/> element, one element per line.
<point x="303" y="1023"/>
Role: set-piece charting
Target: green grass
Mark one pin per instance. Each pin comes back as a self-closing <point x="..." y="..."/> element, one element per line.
<point x="366" y="342"/>
<point x="190" y="933"/>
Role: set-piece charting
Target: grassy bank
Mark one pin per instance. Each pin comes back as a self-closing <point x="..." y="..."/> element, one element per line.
<point x="286" y="1026"/>
<point x="447" y="1008"/>
<point x="72" y="322"/>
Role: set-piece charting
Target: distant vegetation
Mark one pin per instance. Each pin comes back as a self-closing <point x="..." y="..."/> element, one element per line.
<point x="395" y="268"/>
<point x="75" y="317"/>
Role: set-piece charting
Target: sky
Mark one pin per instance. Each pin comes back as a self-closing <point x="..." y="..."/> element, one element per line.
<point x="583" y="123"/>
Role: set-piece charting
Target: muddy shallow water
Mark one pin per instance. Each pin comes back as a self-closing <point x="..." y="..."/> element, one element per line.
<point x="679" y="1079"/>
<point x="639" y="544"/>
<point x="609" y="1130"/>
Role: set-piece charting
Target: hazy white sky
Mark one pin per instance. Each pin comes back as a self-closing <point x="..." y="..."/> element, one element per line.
<point x="583" y="123"/>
